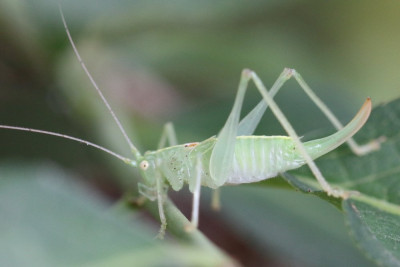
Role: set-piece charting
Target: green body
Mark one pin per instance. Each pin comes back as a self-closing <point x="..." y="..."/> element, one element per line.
<point x="236" y="156"/>
<point x="256" y="158"/>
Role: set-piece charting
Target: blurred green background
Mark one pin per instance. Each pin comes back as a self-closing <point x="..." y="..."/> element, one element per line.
<point x="180" y="61"/>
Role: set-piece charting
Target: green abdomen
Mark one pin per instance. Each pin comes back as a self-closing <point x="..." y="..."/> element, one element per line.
<point x="262" y="157"/>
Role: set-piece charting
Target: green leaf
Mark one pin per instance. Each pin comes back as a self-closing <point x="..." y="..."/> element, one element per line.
<point x="375" y="231"/>
<point x="289" y="228"/>
<point x="374" y="213"/>
<point x="50" y="219"/>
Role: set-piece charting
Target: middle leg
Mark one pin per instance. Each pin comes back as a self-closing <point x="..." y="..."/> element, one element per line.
<point x="196" y="196"/>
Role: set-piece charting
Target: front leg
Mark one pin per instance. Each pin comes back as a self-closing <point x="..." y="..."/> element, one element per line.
<point x="148" y="192"/>
<point x="156" y="193"/>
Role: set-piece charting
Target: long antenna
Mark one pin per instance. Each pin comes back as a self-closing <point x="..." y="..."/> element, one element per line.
<point x="126" y="160"/>
<point x="134" y="150"/>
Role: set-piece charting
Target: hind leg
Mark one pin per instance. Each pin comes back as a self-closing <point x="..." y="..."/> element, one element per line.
<point x="356" y="148"/>
<point x="249" y="123"/>
<point x="292" y="133"/>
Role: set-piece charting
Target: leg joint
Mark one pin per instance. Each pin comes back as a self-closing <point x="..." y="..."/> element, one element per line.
<point x="247" y="73"/>
<point x="288" y="73"/>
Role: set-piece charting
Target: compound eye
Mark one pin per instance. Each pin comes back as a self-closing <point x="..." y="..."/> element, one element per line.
<point x="144" y="165"/>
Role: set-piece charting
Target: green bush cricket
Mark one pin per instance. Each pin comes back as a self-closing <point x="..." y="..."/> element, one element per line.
<point x="235" y="156"/>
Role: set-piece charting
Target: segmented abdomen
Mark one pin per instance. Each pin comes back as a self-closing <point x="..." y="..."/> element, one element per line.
<point x="260" y="157"/>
